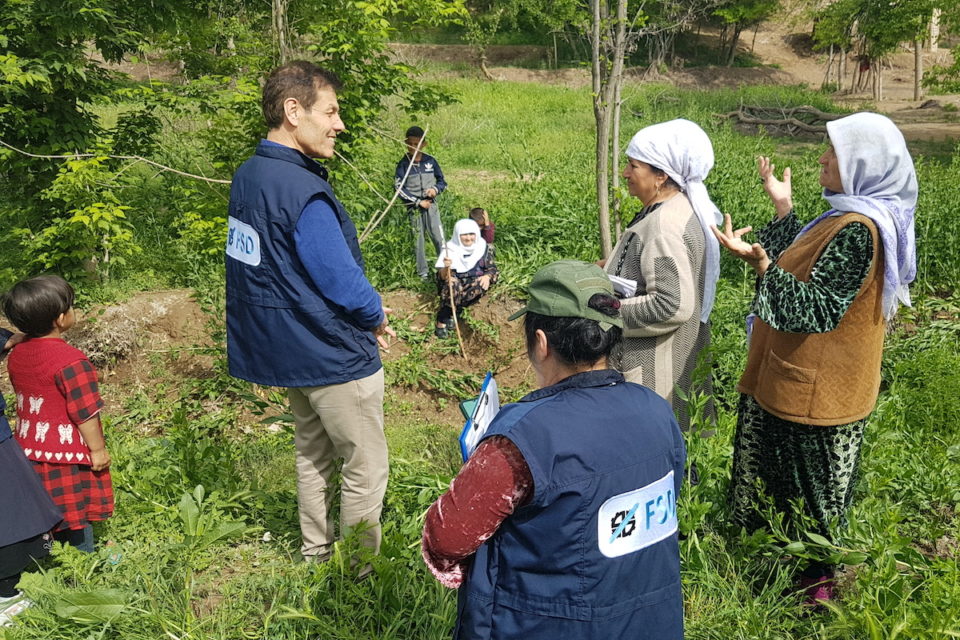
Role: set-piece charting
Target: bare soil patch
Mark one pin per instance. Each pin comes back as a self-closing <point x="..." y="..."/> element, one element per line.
<point x="490" y="343"/>
<point x="152" y="342"/>
<point x="467" y="54"/>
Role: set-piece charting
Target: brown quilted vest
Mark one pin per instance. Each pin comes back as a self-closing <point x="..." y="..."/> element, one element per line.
<point x="821" y="378"/>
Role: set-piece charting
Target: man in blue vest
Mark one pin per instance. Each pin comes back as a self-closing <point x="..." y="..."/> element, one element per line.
<point x="301" y="313"/>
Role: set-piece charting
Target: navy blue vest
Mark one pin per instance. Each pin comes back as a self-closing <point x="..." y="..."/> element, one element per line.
<point x="281" y="331"/>
<point x="594" y="554"/>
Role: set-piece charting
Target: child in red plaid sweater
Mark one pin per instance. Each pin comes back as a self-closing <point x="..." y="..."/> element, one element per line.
<point x="58" y="407"/>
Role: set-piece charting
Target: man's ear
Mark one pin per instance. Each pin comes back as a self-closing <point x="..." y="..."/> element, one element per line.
<point x="293" y="110"/>
<point x="58" y="322"/>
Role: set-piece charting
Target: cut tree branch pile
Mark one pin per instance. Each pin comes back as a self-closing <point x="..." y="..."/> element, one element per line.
<point x="784" y="120"/>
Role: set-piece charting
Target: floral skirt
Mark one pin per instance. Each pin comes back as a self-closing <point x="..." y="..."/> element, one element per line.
<point x="788" y="461"/>
<point x="466" y="291"/>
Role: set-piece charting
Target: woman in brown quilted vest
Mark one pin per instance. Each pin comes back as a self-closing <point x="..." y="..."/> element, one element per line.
<point x="825" y="292"/>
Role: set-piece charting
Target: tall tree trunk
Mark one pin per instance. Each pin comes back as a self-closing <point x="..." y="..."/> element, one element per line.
<point x="601" y="115"/>
<point x="615" y="160"/>
<point x="842" y="71"/>
<point x="917" y="68"/>
<point x="827" y="76"/>
<point x="608" y="49"/>
<point x="734" y="41"/>
<point x="281" y="29"/>
<point x="935" y="31"/>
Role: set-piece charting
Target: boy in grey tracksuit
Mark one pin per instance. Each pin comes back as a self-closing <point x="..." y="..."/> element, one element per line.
<point x="419" y="192"/>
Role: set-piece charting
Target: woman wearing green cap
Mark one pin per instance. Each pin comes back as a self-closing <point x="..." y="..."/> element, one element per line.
<point x="564" y="518"/>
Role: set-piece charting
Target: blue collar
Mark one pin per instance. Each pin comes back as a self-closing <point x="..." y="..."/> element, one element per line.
<point x="277" y="151"/>
<point x="586" y="379"/>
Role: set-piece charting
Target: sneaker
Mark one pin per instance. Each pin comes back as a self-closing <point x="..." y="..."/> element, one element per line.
<point x="12" y="606"/>
<point x="451" y="324"/>
<point x="441" y="332"/>
<point x="817" y="590"/>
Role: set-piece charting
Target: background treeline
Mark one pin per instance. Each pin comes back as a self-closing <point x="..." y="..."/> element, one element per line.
<point x="62" y="93"/>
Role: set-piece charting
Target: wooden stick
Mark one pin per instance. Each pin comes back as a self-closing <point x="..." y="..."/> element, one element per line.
<point x="453" y="304"/>
<point x="359" y="173"/>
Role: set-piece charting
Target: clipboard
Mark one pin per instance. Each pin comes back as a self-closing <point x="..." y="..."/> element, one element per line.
<point x="479" y="413"/>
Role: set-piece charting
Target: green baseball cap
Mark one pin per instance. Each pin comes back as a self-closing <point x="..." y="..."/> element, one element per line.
<point x="563" y="289"/>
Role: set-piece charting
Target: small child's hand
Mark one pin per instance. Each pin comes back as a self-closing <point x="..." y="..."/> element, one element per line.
<point x="99" y="459"/>
<point x="447" y="262"/>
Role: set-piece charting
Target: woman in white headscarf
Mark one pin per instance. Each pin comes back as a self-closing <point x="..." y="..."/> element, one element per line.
<point x="467" y="259"/>
<point x="824" y="294"/>
<point x="670" y="252"/>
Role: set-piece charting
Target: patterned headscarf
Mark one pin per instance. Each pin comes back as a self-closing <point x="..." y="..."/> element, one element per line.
<point x="683" y="151"/>
<point x="879" y="181"/>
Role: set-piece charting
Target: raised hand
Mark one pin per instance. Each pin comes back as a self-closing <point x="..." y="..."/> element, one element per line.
<point x="753" y="254"/>
<point x="780" y="192"/>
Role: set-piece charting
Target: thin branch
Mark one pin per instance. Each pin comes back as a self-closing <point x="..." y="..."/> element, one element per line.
<point x="387" y="135"/>
<point x="101" y="155"/>
<point x="362" y="177"/>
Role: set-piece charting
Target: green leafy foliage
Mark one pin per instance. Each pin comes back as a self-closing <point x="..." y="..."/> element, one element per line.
<point x="88" y="230"/>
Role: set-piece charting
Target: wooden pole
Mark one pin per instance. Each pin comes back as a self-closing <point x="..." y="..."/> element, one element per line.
<point x="453" y="304"/>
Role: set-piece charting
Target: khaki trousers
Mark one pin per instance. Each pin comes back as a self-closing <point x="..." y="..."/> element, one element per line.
<point x="340" y="421"/>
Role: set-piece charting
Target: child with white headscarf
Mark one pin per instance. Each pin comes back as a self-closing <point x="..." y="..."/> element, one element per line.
<point x="825" y="292"/>
<point x="466" y="261"/>
<point x="669" y="251"/>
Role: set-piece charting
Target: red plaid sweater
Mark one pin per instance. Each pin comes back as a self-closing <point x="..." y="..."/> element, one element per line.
<point x="56" y="390"/>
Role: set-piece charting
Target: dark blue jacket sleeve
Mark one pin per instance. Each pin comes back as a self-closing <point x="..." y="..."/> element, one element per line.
<point x="4" y="425"/>
<point x="328" y="261"/>
<point x="441" y="181"/>
<point x="4" y="336"/>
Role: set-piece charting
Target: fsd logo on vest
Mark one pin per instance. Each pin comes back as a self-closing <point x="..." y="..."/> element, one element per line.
<point x="631" y="521"/>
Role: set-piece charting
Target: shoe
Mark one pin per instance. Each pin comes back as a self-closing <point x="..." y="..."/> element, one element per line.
<point x="441" y="332"/>
<point x="365" y="573"/>
<point x="817" y="590"/>
<point x="451" y="325"/>
<point x="12" y="606"/>
<point x="319" y="558"/>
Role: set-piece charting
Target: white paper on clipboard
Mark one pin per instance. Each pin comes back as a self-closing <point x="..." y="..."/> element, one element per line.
<point x="488" y="405"/>
<point x="626" y="287"/>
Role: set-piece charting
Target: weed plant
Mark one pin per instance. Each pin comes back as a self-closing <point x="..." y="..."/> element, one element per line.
<point x="205" y="538"/>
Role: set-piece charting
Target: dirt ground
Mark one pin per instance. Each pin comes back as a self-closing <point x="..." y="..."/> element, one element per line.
<point x="150" y="343"/>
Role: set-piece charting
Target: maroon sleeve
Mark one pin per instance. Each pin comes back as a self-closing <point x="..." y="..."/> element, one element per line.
<point x="491" y="485"/>
<point x="488" y="232"/>
<point x="78" y="384"/>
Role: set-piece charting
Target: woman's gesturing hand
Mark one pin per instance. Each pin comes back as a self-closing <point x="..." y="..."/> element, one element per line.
<point x="779" y="192"/>
<point x="753" y="254"/>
